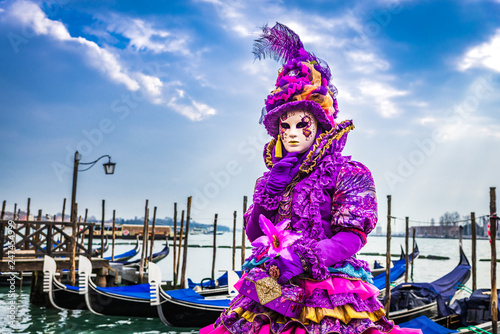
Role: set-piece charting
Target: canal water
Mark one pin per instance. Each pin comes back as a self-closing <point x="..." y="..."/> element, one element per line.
<point x="34" y="319"/>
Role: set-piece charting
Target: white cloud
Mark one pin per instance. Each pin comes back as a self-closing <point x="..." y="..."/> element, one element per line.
<point x="29" y="14"/>
<point x="103" y="59"/>
<point x="381" y="95"/>
<point x="366" y="62"/>
<point x="143" y="37"/>
<point x="427" y="120"/>
<point x="186" y="106"/>
<point x="484" y="55"/>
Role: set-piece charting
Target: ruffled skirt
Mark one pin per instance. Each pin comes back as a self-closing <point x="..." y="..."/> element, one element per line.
<point x="335" y="305"/>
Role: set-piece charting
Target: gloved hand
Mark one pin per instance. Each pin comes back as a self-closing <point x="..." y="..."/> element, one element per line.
<point x="283" y="269"/>
<point x="282" y="173"/>
<point x="253" y="229"/>
<point x="339" y="247"/>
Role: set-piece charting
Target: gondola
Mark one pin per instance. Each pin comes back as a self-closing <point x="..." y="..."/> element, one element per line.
<point x="470" y="314"/>
<point x="97" y="252"/>
<point x="411" y="300"/>
<point x="187" y="308"/>
<point x="429" y="326"/>
<point x="61" y="296"/>
<point x="157" y="257"/>
<point x="133" y="300"/>
<point x="125" y="256"/>
<point x="208" y="287"/>
<point x="396" y="273"/>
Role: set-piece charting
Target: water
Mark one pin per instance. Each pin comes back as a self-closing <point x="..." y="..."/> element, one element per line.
<point x="34" y="319"/>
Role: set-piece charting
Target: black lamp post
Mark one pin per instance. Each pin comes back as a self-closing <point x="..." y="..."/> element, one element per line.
<point x="109" y="168"/>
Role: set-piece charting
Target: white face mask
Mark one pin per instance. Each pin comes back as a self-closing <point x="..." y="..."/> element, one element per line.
<point x="298" y="130"/>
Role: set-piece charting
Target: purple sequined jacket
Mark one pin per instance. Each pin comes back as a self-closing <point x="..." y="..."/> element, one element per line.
<point x="336" y="194"/>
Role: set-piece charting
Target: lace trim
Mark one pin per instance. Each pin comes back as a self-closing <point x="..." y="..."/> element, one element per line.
<point x="344" y="313"/>
<point x="265" y="200"/>
<point x="320" y="154"/>
<point x="349" y="270"/>
<point x="233" y="323"/>
<point x="308" y="248"/>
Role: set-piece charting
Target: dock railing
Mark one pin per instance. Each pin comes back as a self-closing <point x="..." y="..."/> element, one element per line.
<point x="34" y="239"/>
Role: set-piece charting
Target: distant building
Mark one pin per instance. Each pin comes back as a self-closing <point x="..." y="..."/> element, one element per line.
<point x="442" y="231"/>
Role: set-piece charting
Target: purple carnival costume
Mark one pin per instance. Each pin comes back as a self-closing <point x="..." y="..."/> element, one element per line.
<point x="311" y="213"/>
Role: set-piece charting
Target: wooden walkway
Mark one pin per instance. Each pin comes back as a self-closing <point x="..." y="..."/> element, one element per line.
<point x="25" y="243"/>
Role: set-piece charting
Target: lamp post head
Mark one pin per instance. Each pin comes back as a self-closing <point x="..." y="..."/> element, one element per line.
<point x="109" y="167"/>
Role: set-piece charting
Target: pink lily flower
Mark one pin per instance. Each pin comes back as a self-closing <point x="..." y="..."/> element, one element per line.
<point x="277" y="238"/>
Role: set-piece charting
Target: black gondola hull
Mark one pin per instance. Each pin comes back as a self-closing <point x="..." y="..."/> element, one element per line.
<point x="68" y="299"/>
<point x="183" y="314"/>
<point x="109" y="304"/>
<point x="429" y="311"/>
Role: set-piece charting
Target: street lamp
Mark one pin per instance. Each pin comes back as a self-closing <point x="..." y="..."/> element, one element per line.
<point x="109" y="168"/>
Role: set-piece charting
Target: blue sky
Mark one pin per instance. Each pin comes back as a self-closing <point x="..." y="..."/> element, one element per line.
<point x="171" y="91"/>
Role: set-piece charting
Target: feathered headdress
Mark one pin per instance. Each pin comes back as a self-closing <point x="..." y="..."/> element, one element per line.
<point x="303" y="82"/>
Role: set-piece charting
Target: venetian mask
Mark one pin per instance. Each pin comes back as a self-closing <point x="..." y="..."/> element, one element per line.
<point x="298" y="130"/>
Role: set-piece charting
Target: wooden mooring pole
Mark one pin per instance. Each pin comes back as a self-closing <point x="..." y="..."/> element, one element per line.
<point x="243" y="234"/>
<point x="174" y="278"/>
<point x="413" y="252"/>
<point x="27" y="228"/>
<point x="407" y="251"/>
<point x="215" y="247"/>
<point x="63" y="210"/>
<point x="234" y="239"/>
<point x="153" y="236"/>
<point x="493" y="235"/>
<point x="474" y="259"/>
<point x="144" y="241"/>
<point x="74" y="227"/>
<point x="3" y="210"/>
<point x="460" y="233"/>
<point x="179" y="249"/>
<point x="102" y="228"/>
<point x="36" y="237"/>
<point x="113" y="238"/>
<point x="184" y="255"/>
<point x="388" y="260"/>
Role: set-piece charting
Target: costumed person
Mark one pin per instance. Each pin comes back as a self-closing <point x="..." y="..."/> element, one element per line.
<point x="310" y="215"/>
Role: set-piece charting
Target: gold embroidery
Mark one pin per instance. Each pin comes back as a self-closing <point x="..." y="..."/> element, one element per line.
<point x="344" y="313"/>
<point x="267" y="290"/>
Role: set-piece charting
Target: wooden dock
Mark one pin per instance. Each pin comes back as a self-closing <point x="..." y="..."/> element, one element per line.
<point x="31" y="264"/>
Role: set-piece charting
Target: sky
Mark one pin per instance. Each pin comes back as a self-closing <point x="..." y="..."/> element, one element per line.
<point x="171" y="91"/>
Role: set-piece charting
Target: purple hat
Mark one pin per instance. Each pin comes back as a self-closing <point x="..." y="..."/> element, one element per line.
<point x="303" y="82"/>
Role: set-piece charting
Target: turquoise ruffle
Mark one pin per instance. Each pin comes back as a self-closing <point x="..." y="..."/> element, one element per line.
<point x="348" y="269"/>
<point x="252" y="263"/>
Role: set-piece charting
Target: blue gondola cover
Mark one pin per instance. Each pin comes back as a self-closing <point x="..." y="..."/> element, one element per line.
<point x="141" y="291"/>
<point x="189" y="295"/>
<point x="427" y="326"/>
